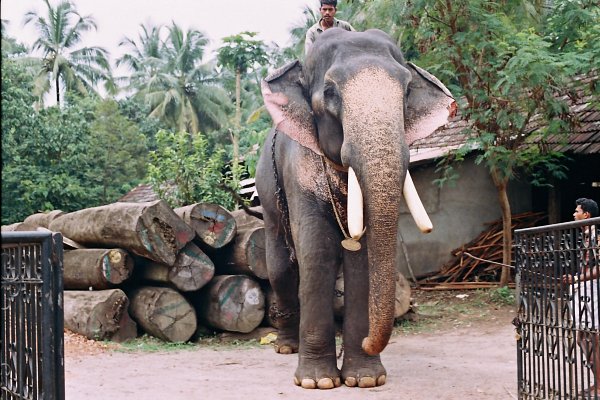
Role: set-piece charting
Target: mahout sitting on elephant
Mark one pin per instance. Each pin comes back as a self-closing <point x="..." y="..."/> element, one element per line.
<point x="347" y="113"/>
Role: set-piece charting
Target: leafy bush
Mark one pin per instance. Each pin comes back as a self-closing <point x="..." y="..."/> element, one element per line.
<point x="184" y="171"/>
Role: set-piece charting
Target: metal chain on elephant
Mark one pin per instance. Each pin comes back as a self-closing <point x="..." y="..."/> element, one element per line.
<point x="282" y="203"/>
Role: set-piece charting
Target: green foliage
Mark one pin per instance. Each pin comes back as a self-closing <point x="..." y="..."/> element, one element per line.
<point x="169" y="77"/>
<point x="77" y="69"/>
<point x="119" y="151"/>
<point x="151" y="344"/>
<point x="184" y="170"/>
<point x="240" y="52"/>
<point x="81" y="155"/>
<point x="502" y="296"/>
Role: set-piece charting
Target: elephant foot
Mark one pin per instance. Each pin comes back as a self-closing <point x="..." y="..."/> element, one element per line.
<point x="365" y="381"/>
<point x="323" y="383"/>
<point x="318" y="374"/>
<point x="285" y="348"/>
<point x="286" y="344"/>
<point x="363" y="372"/>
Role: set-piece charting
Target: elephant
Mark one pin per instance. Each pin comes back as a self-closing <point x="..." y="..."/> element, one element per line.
<point x="342" y="123"/>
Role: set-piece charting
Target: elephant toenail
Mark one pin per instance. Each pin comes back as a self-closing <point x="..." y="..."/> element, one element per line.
<point x="325" y="383"/>
<point x="366" y="382"/>
<point x="308" y="383"/>
<point x="350" y="381"/>
<point x="337" y="382"/>
<point x="296" y="381"/>
<point x="381" y="380"/>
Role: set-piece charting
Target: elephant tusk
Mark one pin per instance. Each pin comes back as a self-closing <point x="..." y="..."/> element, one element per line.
<point x="415" y="206"/>
<point x="355" y="207"/>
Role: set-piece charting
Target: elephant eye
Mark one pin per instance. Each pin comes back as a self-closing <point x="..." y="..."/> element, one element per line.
<point x="329" y="90"/>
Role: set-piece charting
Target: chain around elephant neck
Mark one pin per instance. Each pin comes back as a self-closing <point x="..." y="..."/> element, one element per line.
<point x="348" y="243"/>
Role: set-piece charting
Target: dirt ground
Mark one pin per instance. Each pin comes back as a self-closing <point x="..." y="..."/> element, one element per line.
<point x="460" y="347"/>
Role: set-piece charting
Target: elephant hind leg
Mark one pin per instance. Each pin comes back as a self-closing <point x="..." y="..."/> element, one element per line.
<point x="283" y="276"/>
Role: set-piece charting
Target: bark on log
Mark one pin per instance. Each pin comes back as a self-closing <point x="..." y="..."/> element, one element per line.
<point x="19" y="227"/>
<point x="96" y="268"/>
<point x="164" y="313"/>
<point x="232" y="303"/>
<point x="243" y="219"/>
<point x="246" y="255"/>
<point x="402" y="296"/>
<point x="43" y="219"/>
<point x="191" y="271"/>
<point x="151" y="230"/>
<point x="214" y="226"/>
<point x="98" y="315"/>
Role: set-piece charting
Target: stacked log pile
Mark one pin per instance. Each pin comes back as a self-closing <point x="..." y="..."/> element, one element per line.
<point x="478" y="264"/>
<point x="134" y="268"/>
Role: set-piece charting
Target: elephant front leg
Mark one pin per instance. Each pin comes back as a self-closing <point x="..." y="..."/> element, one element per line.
<point x="359" y="368"/>
<point x="319" y="260"/>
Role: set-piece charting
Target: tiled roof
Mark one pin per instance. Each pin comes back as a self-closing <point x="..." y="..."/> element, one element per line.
<point x="140" y="194"/>
<point x="585" y="138"/>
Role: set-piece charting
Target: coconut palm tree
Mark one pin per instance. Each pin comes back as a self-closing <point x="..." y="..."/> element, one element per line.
<point x="180" y="90"/>
<point x="143" y="56"/>
<point x="63" y="64"/>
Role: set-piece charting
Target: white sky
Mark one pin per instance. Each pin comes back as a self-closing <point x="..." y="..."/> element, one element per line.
<point x="116" y="19"/>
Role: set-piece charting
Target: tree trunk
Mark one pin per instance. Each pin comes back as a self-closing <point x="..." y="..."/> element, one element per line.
<point x="402" y="303"/>
<point x="164" y="313"/>
<point x="214" y="226"/>
<point x="150" y="230"/>
<point x="232" y="303"/>
<point x="238" y="117"/>
<point x="98" y="315"/>
<point x="191" y="271"/>
<point x="43" y="219"/>
<point x="501" y="186"/>
<point x="246" y="255"/>
<point x="96" y="268"/>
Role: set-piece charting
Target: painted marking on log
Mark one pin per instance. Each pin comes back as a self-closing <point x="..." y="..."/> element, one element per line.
<point x="192" y="254"/>
<point x="145" y="239"/>
<point x="106" y="267"/>
<point x="229" y="292"/>
<point x="171" y="306"/>
<point x="115" y="256"/>
<point x="252" y="296"/>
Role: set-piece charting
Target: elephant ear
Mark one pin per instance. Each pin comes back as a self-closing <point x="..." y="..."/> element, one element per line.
<point x="284" y="99"/>
<point x="429" y="105"/>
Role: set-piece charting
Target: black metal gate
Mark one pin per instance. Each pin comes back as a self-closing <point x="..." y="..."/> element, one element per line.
<point x="557" y="320"/>
<point x="31" y="317"/>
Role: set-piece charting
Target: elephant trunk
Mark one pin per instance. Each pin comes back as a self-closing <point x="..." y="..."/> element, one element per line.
<point x="374" y="146"/>
<point x="383" y="191"/>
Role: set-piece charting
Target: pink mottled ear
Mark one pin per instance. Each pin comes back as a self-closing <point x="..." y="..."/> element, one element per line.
<point x="284" y="99"/>
<point x="429" y="105"/>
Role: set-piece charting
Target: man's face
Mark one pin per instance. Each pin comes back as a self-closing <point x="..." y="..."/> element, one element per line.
<point x="327" y="12"/>
<point x="579" y="214"/>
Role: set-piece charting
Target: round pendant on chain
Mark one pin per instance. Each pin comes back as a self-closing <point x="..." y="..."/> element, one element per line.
<point x="351" y="244"/>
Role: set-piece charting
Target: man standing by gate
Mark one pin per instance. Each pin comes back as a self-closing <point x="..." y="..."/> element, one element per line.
<point x="585" y="290"/>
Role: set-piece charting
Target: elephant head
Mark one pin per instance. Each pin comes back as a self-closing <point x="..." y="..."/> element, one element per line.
<point x="358" y="103"/>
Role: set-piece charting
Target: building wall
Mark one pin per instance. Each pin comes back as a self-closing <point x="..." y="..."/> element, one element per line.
<point x="458" y="214"/>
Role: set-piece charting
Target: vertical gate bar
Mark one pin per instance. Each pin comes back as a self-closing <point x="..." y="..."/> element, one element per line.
<point x="35" y="326"/>
<point x="58" y="313"/>
<point x="47" y="321"/>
